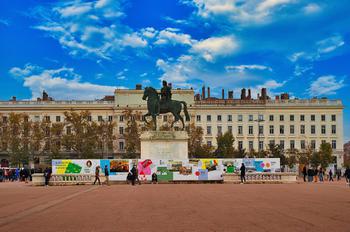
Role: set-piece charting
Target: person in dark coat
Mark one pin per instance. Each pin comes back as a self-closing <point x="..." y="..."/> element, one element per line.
<point x="106" y="174"/>
<point x="154" y="178"/>
<point x="347" y="175"/>
<point x="47" y="175"/>
<point x="310" y="174"/>
<point x="330" y="175"/>
<point x="97" y="175"/>
<point x="304" y="173"/>
<point x="242" y="169"/>
<point x="135" y="175"/>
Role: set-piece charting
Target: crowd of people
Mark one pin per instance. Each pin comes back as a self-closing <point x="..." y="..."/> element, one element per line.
<point x="17" y="174"/>
<point x="321" y="175"/>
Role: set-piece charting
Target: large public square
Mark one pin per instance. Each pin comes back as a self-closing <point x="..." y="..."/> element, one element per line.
<point x="176" y="207"/>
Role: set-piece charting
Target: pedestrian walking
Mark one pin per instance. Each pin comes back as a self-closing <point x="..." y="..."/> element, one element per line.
<point x="154" y="178"/>
<point x="330" y="178"/>
<point x="310" y="175"/>
<point x="97" y="175"/>
<point x="107" y="174"/>
<point x="320" y="174"/>
<point x="135" y="174"/>
<point x="304" y="173"/>
<point x="347" y="175"/>
<point x="47" y="175"/>
<point x="315" y="174"/>
<point x="338" y="174"/>
<point x="242" y="169"/>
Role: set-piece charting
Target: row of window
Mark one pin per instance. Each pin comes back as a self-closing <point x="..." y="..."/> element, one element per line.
<point x="60" y="119"/>
<point x="271" y="118"/>
<point x="272" y="129"/>
<point x="292" y="145"/>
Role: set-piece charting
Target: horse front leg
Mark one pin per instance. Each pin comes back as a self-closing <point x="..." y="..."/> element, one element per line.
<point x="154" y="119"/>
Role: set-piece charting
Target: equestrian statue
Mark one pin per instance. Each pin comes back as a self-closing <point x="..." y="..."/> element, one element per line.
<point x="163" y="105"/>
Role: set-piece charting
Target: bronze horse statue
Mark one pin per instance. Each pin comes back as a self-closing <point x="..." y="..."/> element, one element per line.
<point x="171" y="106"/>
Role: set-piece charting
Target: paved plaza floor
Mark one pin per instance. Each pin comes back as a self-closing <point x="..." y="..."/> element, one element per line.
<point x="176" y="207"/>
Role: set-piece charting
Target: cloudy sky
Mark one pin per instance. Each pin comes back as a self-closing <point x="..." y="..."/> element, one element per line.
<point x="86" y="49"/>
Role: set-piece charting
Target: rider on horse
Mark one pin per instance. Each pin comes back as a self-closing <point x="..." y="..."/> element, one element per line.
<point x="165" y="95"/>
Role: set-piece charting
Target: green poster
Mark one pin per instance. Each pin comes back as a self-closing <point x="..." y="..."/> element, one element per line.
<point x="73" y="168"/>
<point x="164" y="174"/>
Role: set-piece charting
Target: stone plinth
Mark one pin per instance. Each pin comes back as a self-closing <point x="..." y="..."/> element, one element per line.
<point x="171" y="145"/>
<point x="38" y="179"/>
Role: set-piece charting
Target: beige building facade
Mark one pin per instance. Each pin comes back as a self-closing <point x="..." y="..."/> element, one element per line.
<point x="255" y="123"/>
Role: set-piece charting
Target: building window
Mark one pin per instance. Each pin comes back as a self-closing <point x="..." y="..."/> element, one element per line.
<point x="219" y="118"/>
<point x="121" y="146"/>
<point x="250" y="130"/>
<point x="302" y="144"/>
<point x="323" y="117"/>
<point x="261" y="145"/>
<point x="271" y="118"/>
<point x="334" y="117"/>
<point x="229" y="118"/>
<point x="272" y="131"/>
<point x="4" y="119"/>
<point x="313" y="144"/>
<point x="292" y="144"/>
<point x="58" y="118"/>
<point x="240" y="145"/>
<point x="198" y="118"/>
<point x="251" y="145"/>
<point x="291" y="129"/>
<point x="240" y="130"/>
<point x="36" y="118"/>
<point x="47" y="119"/>
<point x="334" y="129"/>
<point x="208" y="130"/>
<point x="281" y="118"/>
<point x="251" y="118"/>
<point x="208" y="118"/>
<point x="240" y="118"/>
<point x="209" y="144"/>
<point x="89" y="118"/>
<point x="272" y="142"/>
<point x="302" y="118"/>
<point x="281" y="129"/>
<point x="261" y="117"/>
<point x="323" y="129"/>
<point x="229" y="129"/>
<point x="313" y="129"/>
<point x="110" y="118"/>
<point x="334" y="144"/>
<point x="165" y="118"/>
<point x="219" y="130"/>
<point x="282" y="144"/>
<point x="121" y="130"/>
<point x="323" y="141"/>
<point x="261" y="130"/>
<point x="291" y="117"/>
<point x="100" y="118"/>
<point x="313" y="117"/>
<point x="121" y="118"/>
<point x="302" y="129"/>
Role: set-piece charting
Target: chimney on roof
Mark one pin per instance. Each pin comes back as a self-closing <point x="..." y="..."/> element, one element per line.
<point x="249" y="97"/>
<point x="263" y="94"/>
<point x="243" y="94"/>
<point x="45" y="96"/>
<point x="230" y="94"/>
<point x="203" y="92"/>
<point x="277" y="97"/>
<point x="138" y="87"/>
<point x="197" y="97"/>
<point x="208" y="92"/>
<point x="14" y="98"/>
<point x="284" y="96"/>
<point x="223" y="94"/>
<point x="258" y="96"/>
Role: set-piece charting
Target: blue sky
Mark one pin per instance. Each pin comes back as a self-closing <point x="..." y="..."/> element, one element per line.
<point x="86" y="49"/>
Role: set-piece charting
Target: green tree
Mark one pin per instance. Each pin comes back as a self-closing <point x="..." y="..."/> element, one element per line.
<point x="132" y="134"/>
<point x="325" y="154"/>
<point x="239" y="153"/>
<point x="225" y="147"/>
<point x="276" y="151"/>
<point x="195" y="140"/>
<point x="105" y="130"/>
<point x="292" y="157"/>
<point x="56" y="140"/>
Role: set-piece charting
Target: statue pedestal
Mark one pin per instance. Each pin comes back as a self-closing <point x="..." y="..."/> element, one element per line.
<point x="164" y="145"/>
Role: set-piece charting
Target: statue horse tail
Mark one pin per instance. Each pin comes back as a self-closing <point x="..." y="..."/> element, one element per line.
<point x="185" y="110"/>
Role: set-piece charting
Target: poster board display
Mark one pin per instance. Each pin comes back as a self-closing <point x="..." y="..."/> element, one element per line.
<point x="166" y="170"/>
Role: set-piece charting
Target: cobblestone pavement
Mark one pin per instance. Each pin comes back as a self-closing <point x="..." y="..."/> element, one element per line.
<point x="176" y="207"/>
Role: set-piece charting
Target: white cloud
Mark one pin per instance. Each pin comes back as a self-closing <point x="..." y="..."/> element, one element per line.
<point x="149" y="32"/>
<point x="214" y="47"/>
<point x="242" y="68"/>
<point x="173" y="36"/>
<point x="77" y="26"/>
<point x="4" y="22"/>
<point x="61" y="84"/>
<point x="243" y="12"/>
<point x="325" y="85"/>
<point x="311" y="8"/>
<point x="143" y="74"/>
